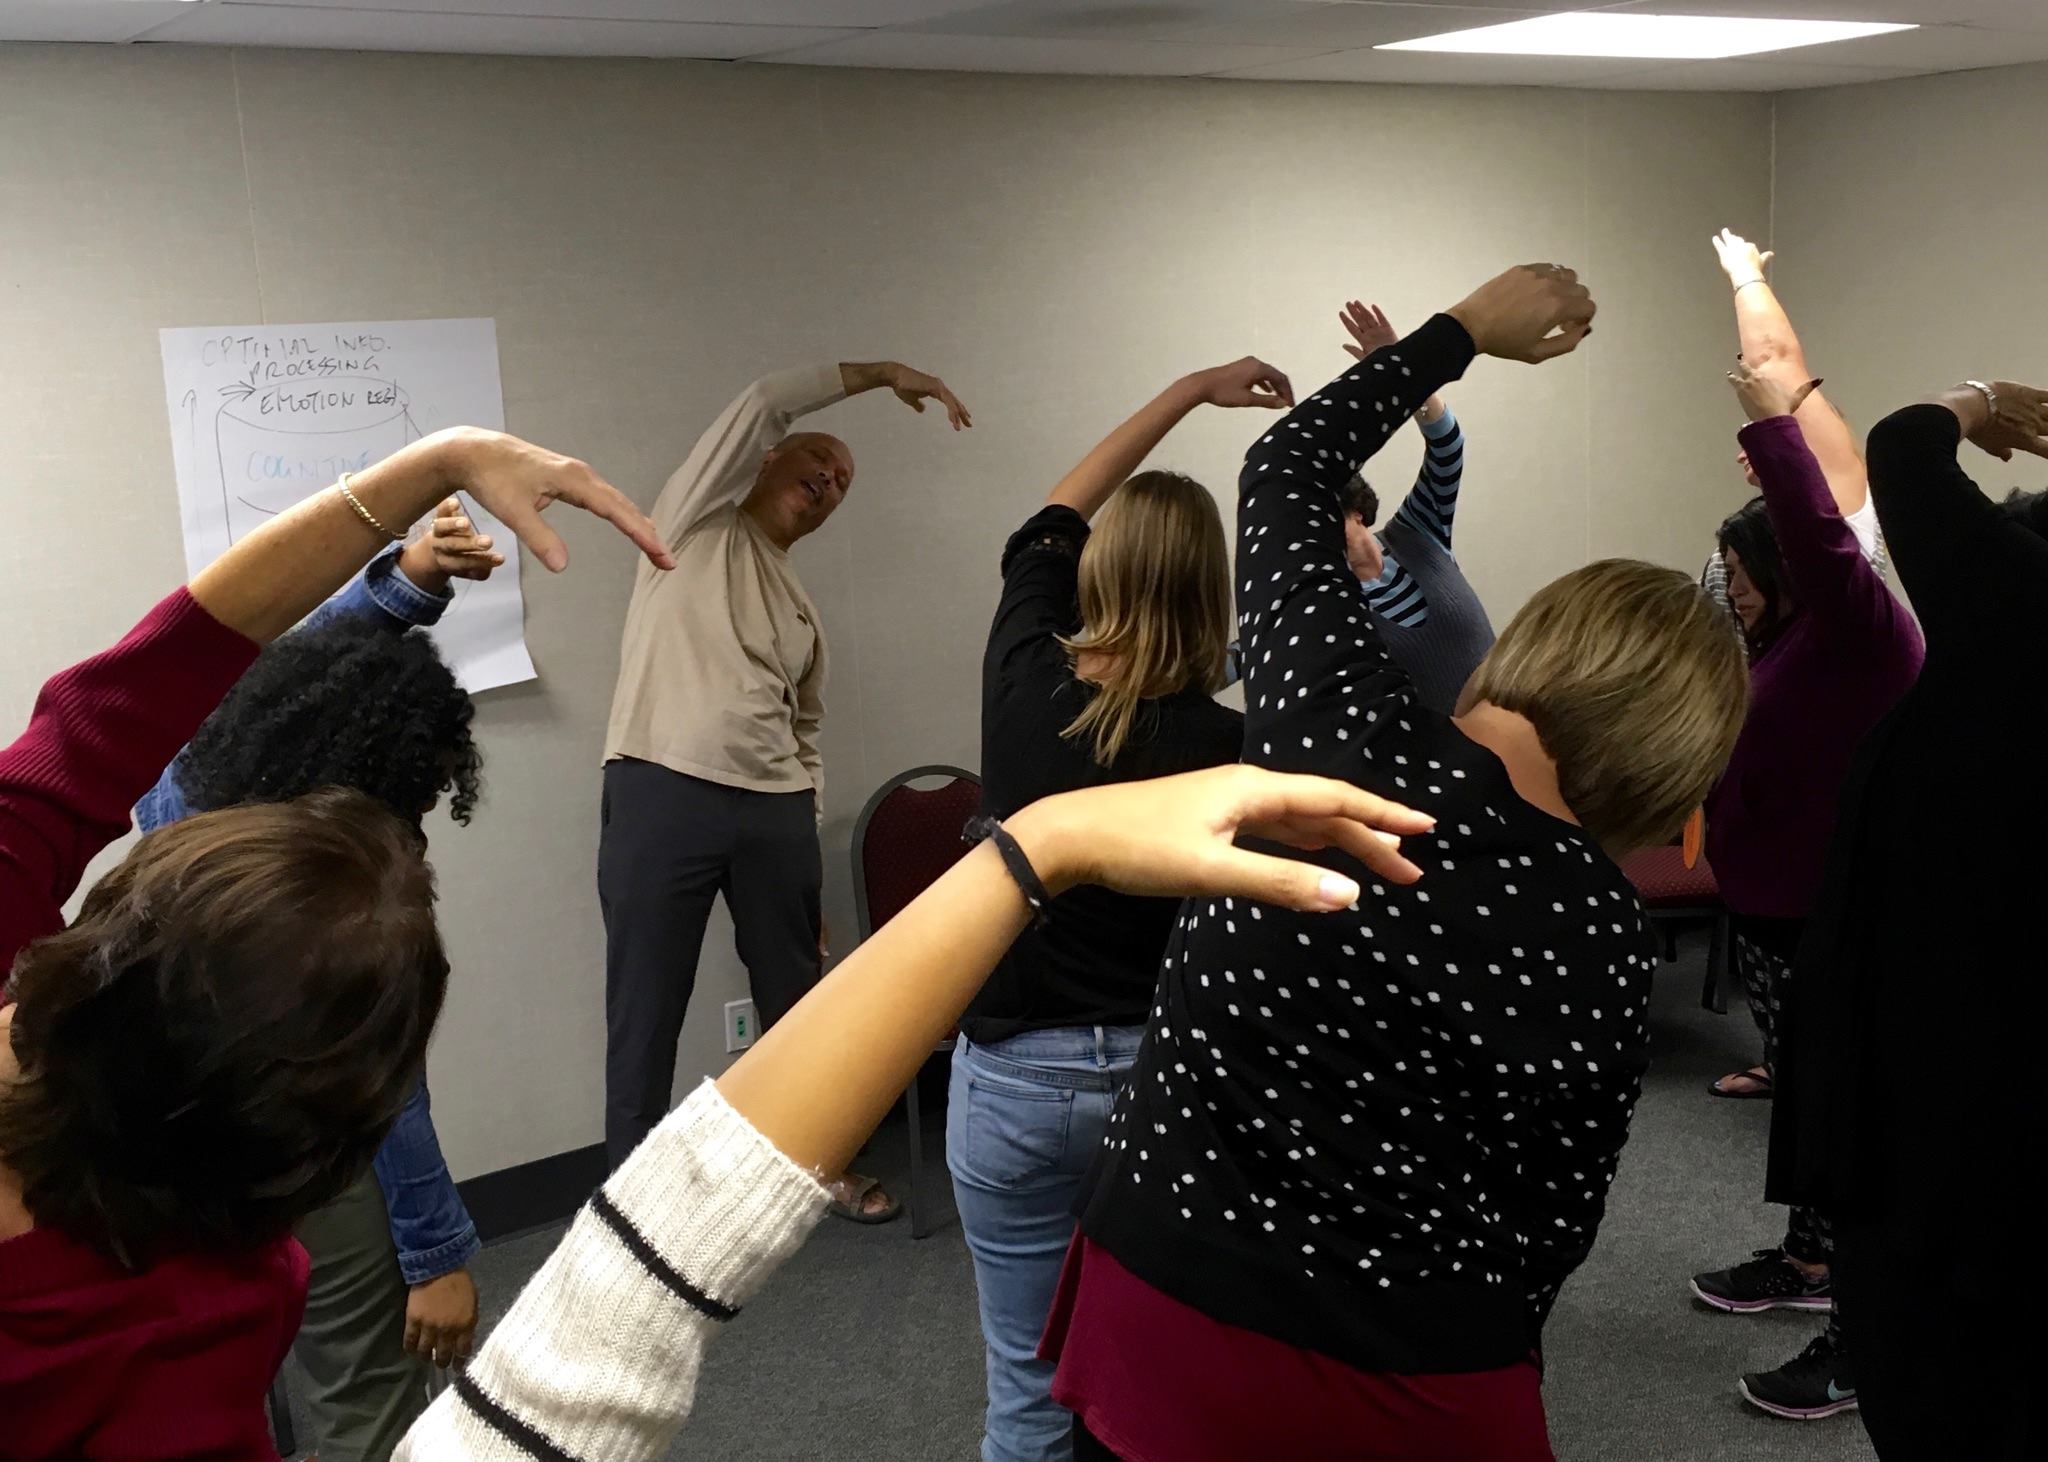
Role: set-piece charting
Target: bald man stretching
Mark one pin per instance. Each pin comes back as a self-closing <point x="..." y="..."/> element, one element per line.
<point x="713" y="782"/>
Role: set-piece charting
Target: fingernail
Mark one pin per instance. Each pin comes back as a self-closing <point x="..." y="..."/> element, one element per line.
<point x="1335" y="891"/>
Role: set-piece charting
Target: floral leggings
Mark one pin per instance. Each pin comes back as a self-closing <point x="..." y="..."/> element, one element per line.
<point x="1764" y="953"/>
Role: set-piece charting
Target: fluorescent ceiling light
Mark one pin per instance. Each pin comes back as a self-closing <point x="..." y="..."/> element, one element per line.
<point x="1652" y="37"/>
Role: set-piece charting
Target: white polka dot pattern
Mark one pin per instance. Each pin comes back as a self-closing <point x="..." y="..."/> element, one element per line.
<point x="1386" y="1133"/>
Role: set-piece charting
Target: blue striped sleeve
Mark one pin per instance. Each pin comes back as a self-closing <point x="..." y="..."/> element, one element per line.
<point x="1432" y="503"/>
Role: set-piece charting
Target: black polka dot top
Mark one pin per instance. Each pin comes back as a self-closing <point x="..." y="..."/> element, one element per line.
<point x="1386" y="1134"/>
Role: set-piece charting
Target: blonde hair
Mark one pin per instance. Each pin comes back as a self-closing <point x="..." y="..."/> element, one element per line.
<point x="1630" y="677"/>
<point x="1155" y="597"/>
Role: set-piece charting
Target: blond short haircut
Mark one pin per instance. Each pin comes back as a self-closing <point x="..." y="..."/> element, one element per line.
<point x="1154" y="586"/>
<point x="1629" y="675"/>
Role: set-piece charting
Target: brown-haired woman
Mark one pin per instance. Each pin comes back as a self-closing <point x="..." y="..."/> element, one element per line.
<point x="220" y="1043"/>
<point x="1358" y="1157"/>
<point x="1106" y="649"/>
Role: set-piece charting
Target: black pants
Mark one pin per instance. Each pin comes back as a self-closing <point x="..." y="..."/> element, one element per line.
<point x="668" y="844"/>
<point x="1927" y="1301"/>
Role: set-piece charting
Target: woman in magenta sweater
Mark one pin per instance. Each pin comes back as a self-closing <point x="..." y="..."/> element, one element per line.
<point x="1831" y="651"/>
<point x="190" y="1068"/>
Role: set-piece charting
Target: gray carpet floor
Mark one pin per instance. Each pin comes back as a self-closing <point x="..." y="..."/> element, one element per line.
<point x="866" y="1344"/>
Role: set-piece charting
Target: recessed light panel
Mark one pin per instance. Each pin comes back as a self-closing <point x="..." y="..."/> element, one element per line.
<point x="1648" y="37"/>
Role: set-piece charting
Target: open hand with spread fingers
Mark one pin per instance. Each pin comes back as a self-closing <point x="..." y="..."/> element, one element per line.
<point x="516" y="480"/>
<point x="1177" y="836"/>
<point x="1368" y="327"/>
<point x="1531" y="313"/>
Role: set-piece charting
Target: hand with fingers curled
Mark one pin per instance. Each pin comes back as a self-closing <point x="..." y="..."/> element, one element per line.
<point x="1248" y="381"/>
<point x="2014" y="418"/>
<point x="914" y="387"/>
<point x="1765" y="394"/>
<point x="1531" y="313"/>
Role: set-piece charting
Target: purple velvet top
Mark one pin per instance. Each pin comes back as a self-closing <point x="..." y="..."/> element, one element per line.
<point x="1848" y="654"/>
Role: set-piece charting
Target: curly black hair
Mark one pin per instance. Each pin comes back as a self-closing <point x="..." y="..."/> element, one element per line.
<point x="344" y="704"/>
<point x="2028" y="509"/>
<point x="1361" y="501"/>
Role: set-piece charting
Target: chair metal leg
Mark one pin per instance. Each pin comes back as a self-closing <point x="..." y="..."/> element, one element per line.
<point x="915" y="1104"/>
<point x="281" y="1430"/>
<point x="1714" y="997"/>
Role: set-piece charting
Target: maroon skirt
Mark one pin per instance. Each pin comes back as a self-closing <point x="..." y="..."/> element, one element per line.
<point x="1158" y="1381"/>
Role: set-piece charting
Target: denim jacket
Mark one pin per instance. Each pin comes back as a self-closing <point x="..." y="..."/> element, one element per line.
<point x="429" y="1226"/>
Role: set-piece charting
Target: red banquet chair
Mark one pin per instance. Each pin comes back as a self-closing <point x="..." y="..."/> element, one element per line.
<point x="1675" y="895"/>
<point x="904" y="839"/>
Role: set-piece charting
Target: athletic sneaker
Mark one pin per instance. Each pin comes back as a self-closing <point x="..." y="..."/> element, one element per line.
<point x="1770" y="1281"/>
<point x="1818" y="1382"/>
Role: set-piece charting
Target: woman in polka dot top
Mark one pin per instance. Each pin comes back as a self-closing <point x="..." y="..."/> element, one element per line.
<point x="1357" y="1157"/>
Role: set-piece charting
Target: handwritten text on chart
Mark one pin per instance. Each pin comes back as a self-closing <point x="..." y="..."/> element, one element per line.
<point x="292" y="357"/>
<point x="311" y="402"/>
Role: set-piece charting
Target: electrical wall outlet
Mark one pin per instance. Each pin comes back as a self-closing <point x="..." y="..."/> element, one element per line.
<point x="740" y="1024"/>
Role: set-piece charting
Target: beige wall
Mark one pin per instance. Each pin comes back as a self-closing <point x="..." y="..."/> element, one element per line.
<point x="1909" y="250"/>
<point x="651" y="235"/>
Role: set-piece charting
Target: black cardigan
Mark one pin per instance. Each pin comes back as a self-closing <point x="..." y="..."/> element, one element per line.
<point x="1385" y="1134"/>
<point x="1924" y="952"/>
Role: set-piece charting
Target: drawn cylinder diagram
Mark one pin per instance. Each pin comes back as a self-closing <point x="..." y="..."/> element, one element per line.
<point x="279" y="442"/>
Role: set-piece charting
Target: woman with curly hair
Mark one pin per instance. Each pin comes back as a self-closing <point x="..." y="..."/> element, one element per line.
<point x="359" y="698"/>
<point x="220" y="1041"/>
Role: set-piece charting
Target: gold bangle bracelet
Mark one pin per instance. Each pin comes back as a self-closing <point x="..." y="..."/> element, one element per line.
<point x="348" y="495"/>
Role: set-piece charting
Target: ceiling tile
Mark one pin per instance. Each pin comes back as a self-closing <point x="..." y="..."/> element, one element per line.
<point x="2011" y="14"/>
<point x="1424" y="68"/>
<point x="83" y="20"/>
<point x="1117" y="20"/>
<point x="817" y="14"/>
<point x="1932" y="48"/>
<point x="1350" y="26"/>
<point x="337" y="28"/>
<point x="919" y="51"/>
<point x="1742" y="73"/>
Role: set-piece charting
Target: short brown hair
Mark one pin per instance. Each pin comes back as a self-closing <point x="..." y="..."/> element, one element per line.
<point x="221" y="1041"/>
<point x="1629" y="675"/>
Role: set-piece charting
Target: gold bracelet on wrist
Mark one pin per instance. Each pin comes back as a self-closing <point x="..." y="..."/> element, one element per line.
<point x="348" y="495"/>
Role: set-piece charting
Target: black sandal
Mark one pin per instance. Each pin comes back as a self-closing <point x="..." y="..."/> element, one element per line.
<point x="1760" y="1089"/>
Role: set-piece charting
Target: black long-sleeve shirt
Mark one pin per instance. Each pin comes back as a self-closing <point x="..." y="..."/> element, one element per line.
<point x="1095" y="957"/>
<point x="1385" y="1135"/>
<point x="1924" y="949"/>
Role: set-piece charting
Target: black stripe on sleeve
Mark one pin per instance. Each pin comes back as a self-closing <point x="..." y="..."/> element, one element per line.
<point x="527" y="1439"/>
<point x="651" y="1260"/>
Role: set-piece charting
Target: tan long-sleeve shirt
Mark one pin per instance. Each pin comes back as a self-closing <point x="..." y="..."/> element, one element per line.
<point x="722" y="667"/>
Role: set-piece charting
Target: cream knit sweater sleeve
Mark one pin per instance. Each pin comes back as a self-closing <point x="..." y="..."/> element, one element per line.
<point x="597" y="1360"/>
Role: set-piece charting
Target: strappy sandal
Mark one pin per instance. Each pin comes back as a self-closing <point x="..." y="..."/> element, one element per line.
<point x="1760" y="1089"/>
<point x="853" y="1208"/>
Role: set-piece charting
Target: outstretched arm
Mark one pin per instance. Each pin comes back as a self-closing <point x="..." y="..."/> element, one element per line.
<point x="1836" y="583"/>
<point x="1431" y="506"/>
<point x="1769" y="343"/>
<point x="1934" y="516"/>
<point x="1097" y="476"/>
<point x="104" y="730"/>
<point x="599" y="1356"/>
<point x="1313" y="661"/>
<point x="723" y="463"/>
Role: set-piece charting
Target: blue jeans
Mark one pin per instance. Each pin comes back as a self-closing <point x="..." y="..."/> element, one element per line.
<point x="1023" y="1122"/>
